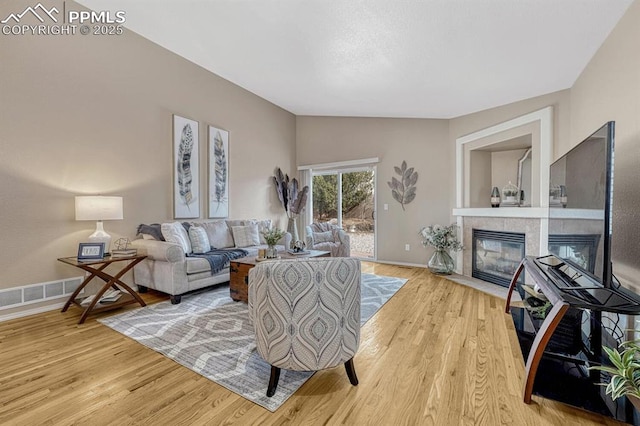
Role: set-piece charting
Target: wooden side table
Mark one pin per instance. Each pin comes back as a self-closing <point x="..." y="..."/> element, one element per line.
<point x="96" y="269"/>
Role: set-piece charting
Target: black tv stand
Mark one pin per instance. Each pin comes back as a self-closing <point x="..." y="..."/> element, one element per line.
<point x="565" y="287"/>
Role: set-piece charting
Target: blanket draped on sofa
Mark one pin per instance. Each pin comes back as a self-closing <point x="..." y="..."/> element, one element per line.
<point x="219" y="258"/>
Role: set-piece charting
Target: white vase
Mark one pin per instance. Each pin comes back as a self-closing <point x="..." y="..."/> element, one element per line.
<point x="292" y="228"/>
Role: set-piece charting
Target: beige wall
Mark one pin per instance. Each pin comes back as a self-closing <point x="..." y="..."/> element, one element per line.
<point x="93" y="115"/>
<point x="504" y="168"/>
<point x="609" y="89"/>
<point x="480" y="171"/>
<point x="422" y="143"/>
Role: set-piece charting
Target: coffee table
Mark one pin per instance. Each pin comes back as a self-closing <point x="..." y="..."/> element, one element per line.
<point x="239" y="271"/>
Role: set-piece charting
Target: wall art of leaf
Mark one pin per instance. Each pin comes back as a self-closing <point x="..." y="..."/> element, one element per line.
<point x="220" y="168"/>
<point x="184" y="165"/>
<point x="403" y="189"/>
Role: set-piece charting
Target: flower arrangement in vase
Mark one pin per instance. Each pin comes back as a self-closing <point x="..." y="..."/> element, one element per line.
<point x="272" y="236"/>
<point x="443" y="239"/>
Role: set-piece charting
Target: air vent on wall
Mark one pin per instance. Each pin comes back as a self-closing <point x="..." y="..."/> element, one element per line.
<point x="33" y="293"/>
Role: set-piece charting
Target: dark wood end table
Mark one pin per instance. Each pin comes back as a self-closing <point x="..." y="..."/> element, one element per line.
<point x="96" y="269"/>
<point x="239" y="271"/>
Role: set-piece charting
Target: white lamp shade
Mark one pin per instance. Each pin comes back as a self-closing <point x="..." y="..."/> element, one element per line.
<point x="98" y="208"/>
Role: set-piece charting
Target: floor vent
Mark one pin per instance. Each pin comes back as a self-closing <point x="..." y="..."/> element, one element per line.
<point x="33" y="293"/>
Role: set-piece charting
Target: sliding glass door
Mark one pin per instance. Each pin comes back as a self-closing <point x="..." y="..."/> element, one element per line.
<point x="346" y="197"/>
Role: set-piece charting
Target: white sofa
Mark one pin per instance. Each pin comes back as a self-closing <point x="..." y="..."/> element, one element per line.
<point x="170" y="270"/>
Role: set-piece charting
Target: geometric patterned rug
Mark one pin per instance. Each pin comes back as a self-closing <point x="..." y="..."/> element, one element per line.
<point x="210" y="334"/>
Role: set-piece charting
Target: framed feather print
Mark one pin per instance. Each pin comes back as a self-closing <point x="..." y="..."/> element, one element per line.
<point x="218" y="173"/>
<point x="186" y="170"/>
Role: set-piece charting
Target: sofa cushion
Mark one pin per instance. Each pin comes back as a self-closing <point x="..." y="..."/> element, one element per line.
<point x="196" y="265"/>
<point x="175" y="233"/>
<point x="218" y="233"/>
<point x="323" y="237"/>
<point x="199" y="240"/>
<point x="246" y="236"/>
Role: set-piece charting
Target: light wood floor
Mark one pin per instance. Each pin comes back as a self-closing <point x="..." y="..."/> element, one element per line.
<point x="437" y="353"/>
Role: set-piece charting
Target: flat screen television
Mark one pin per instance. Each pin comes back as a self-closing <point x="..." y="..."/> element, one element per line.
<point x="581" y="205"/>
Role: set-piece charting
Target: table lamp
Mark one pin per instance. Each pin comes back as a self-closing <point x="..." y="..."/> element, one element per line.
<point x="99" y="208"/>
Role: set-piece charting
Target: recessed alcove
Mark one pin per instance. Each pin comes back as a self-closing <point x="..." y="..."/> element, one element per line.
<point x="500" y="164"/>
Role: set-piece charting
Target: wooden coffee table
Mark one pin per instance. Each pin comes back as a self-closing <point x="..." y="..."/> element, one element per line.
<point x="239" y="271"/>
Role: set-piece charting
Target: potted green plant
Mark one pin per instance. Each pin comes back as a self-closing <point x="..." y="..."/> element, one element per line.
<point x="443" y="239"/>
<point x="272" y="236"/>
<point x="625" y="372"/>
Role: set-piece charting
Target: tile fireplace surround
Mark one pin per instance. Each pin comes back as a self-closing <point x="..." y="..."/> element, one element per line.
<point x="501" y="219"/>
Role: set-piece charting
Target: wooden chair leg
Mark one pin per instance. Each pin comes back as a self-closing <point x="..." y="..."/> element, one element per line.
<point x="273" y="381"/>
<point x="351" y="372"/>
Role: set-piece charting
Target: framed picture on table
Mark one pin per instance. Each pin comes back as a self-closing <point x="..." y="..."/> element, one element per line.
<point x="90" y="251"/>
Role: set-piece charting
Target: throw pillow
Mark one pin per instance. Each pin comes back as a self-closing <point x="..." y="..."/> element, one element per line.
<point x="263" y="225"/>
<point x="246" y="236"/>
<point x="153" y="231"/>
<point x="218" y="233"/>
<point x="174" y="232"/>
<point x="199" y="240"/>
<point x="323" y="237"/>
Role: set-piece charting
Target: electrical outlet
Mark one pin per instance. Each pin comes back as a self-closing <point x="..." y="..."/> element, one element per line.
<point x="407" y="247"/>
<point x="386" y="206"/>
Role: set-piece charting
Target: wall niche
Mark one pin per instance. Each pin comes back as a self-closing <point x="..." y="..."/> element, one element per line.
<point x="517" y="151"/>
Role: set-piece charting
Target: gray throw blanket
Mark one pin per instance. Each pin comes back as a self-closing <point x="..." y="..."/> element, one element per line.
<point x="219" y="258"/>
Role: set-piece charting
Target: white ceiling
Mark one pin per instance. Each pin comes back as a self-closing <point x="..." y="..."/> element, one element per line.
<point x="381" y="58"/>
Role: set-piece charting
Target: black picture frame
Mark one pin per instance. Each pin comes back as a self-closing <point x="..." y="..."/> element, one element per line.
<point x="90" y="251"/>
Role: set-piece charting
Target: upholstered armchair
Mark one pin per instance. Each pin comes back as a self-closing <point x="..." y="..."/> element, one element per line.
<point x="328" y="237"/>
<point x="306" y="314"/>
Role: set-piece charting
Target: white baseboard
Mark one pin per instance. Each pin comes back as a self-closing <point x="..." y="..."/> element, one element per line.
<point x="27" y="312"/>
<point x="417" y="265"/>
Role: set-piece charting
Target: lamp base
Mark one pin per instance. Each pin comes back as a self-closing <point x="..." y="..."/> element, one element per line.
<point x="100" y="236"/>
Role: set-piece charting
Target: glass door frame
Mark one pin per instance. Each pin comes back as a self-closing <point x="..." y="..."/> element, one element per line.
<point x="339" y="171"/>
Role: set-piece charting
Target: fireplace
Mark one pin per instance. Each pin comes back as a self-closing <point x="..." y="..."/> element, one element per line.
<point x="581" y="249"/>
<point x="496" y="255"/>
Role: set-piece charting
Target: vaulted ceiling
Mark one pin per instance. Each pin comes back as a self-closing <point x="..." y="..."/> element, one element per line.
<point x="381" y="58"/>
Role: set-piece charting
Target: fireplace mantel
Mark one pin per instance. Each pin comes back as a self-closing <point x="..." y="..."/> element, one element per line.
<point x="516" y="212"/>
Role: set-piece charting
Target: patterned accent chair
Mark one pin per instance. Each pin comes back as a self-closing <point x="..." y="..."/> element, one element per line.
<point x="306" y="314"/>
<point x="328" y="237"/>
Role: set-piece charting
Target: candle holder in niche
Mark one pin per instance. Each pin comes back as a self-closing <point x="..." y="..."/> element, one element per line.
<point x="495" y="197"/>
<point x="510" y="195"/>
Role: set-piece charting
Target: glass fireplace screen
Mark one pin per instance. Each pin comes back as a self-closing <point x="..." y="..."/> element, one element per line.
<point x="496" y="255"/>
